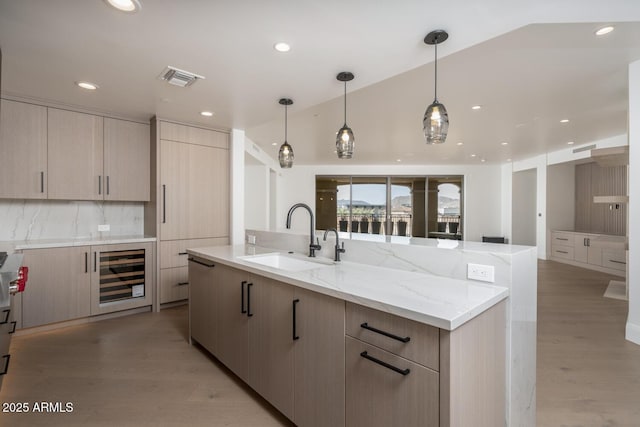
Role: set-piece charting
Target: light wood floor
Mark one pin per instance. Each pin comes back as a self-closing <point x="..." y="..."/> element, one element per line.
<point x="140" y="371"/>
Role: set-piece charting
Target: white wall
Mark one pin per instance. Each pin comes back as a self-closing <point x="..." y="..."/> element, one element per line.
<point x="539" y="164"/>
<point x="507" y="200"/>
<point x="524" y="207"/>
<point x="482" y="193"/>
<point x="237" y="186"/>
<point x="561" y="191"/>
<point x="633" y="230"/>
<point x="256" y="195"/>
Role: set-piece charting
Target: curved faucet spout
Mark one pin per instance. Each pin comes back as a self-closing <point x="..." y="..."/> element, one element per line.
<point x="313" y="247"/>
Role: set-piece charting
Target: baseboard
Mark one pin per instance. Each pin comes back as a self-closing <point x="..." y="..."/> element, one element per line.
<point x="633" y="333"/>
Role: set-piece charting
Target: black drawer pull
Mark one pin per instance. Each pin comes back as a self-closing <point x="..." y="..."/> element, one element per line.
<point x="13" y="327"/>
<point x="365" y="325"/>
<point x="6" y="316"/>
<point x="6" y="364"/>
<point x="242" y="310"/>
<point x="183" y="253"/>
<point x="294" y="334"/>
<point x="562" y="252"/>
<point x="617" y="262"/>
<point x="202" y="263"/>
<point x="183" y="283"/>
<point x="385" y="364"/>
<point x="249" y="313"/>
<point x="561" y="238"/>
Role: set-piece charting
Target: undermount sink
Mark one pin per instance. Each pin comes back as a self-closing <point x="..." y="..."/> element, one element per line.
<point x="283" y="262"/>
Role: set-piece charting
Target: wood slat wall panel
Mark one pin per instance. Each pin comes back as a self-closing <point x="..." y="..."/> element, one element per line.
<point x="594" y="180"/>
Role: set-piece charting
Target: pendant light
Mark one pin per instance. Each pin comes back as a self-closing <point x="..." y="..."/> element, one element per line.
<point x="436" y="120"/>
<point x="285" y="155"/>
<point x="344" y="138"/>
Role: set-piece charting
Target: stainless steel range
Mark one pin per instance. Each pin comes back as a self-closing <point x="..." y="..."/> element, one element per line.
<point x="13" y="277"/>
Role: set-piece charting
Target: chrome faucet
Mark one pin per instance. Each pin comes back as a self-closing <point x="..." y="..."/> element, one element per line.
<point x="339" y="250"/>
<point x="313" y="247"/>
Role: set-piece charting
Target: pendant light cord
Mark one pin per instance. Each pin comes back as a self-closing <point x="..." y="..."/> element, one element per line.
<point x="345" y="103"/>
<point x="285" y="122"/>
<point x="435" y="90"/>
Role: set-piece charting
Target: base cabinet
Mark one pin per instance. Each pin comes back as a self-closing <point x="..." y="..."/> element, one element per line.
<point x="599" y="252"/>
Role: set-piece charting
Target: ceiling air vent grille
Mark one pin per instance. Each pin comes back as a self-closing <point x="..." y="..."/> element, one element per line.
<point x="179" y="77"/>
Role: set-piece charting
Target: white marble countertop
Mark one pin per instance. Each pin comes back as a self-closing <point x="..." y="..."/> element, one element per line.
<point x="441" y="302"/>
<point x="83" y="241"/>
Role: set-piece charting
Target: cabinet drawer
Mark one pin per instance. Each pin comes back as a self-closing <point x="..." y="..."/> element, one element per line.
<point x="560" y="251"/>
<point x="174" y="284"/>
<point x="376" y="395"/>
<point x="173" y="252"/>
<point x="390" y="332"/>
<point x="615" y="259"/>
<point x="562" y="238"/>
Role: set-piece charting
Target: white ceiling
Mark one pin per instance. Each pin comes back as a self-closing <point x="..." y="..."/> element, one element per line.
<point x="527" y="77"/>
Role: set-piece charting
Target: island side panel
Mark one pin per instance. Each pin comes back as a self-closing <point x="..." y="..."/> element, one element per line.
<point x="473" y="372"/>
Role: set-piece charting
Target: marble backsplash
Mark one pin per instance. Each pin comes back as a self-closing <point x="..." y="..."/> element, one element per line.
<point x="27" y="220"/>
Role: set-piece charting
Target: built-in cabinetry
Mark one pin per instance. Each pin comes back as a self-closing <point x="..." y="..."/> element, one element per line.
<point x="49" y="153"/>
<point x="282" y="340"/>
<point x="79" y="281"/>
<point x="322" y="364"/>
<point x="595" y="251"/>
<point x="190" y="207"/>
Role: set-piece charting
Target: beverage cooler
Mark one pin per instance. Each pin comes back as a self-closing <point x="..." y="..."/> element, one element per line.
<point x="13" y="277"/>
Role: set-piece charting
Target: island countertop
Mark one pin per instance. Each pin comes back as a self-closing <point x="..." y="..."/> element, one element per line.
<point x="433" y="300"/>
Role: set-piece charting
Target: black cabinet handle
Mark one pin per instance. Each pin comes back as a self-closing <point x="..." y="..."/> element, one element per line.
<point x="294" y="334"/>
<point x="95" y="261"/>
<point x="164" y="203"/>
<point x="13" y="327"/>
<point x="365" y="325"/>
<point x="249" y="313"/>
<point x="99" y="184"/>
<point x="561" y="238"/>
<point x="183" y="283"/>
<point x="86" y="262"/>
<point x="202" y="263"/>
<point x="385" y="364"/>
<point x="42" y="182"/>
<point x="242" y="310"/>
<point x="617" y="262"/>
<point x="6" y="316"/>
<point x="107" y="185"/>
<point x="584" y="241"/>
<point x="6" y="364"/>
<point x="562" y="252"/>
<point x="183" y="253"/>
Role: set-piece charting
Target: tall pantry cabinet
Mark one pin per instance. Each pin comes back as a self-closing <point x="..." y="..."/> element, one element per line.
<point x="190" y="201"/>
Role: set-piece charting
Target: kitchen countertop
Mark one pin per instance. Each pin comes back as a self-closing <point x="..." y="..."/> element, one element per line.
<point x="84" y="241"/>
<point x="441" y="302"/>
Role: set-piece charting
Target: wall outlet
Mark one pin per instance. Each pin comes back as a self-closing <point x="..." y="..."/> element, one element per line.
<point x="485" y="273"/>
<point x="251" y="239"/>
<point x="104" y="227"/>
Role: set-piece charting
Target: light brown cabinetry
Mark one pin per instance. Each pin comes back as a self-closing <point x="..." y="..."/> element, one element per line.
<point x="190" y="201"/>
<point x="267" y="333"/>
<point x="23" y="151"/>
<point x="59" y="285"/>
<point x="126" y="160"/>
<point x="594" y="251"/>
<point x="75" y="153"/>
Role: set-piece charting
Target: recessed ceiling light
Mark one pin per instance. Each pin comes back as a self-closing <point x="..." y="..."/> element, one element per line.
<point x="282" y="47"/>
<point x="274" y="143"/>
<point x="508" y="160"/>
<point x="564" y="121"/>
<point x="482" y="160"/>
<point x="129" y="6"/>
<point x="570" y="143"/>
<point x="473" y="155"/>
<point x="460" y="143"/>
<point x="206" y="113"/>
<point x="504" y="143"/>
<point x="398" y="160"/>
<point x="87" y="85"/>
<point x="476" y="107"/>
<point x="604" y="30"/>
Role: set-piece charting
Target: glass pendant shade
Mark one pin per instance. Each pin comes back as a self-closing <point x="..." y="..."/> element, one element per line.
<point x="345" y="142"/>
<point x="285" y="156"/>
<point x="435" y="123"/>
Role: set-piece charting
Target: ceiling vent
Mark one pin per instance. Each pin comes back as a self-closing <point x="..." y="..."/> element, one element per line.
<point x="179" y="77"/>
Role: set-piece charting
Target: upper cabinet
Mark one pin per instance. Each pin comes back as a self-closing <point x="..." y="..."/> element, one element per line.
<point x="23" y="151"/>
<point x="126" y="160"/>
<point x="75" y="154"/>
<point x="48" y="153"/>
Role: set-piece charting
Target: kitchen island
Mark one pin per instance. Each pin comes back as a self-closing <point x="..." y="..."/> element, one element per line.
<point x="352" y="344"/>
